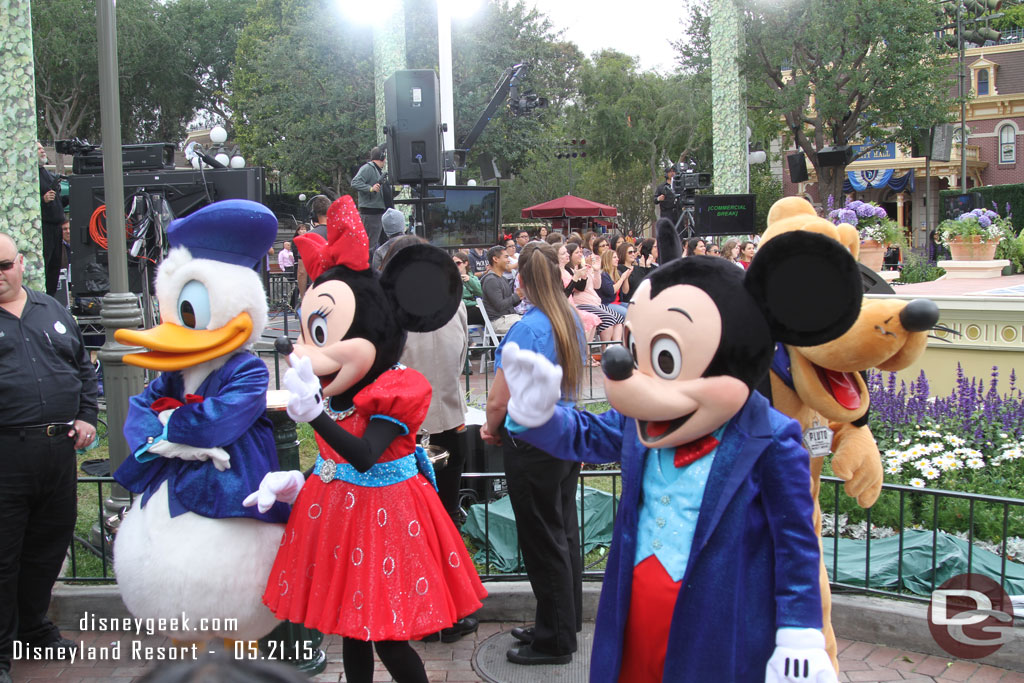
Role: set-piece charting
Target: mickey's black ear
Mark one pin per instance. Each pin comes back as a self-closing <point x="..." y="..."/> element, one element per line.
<point x="808" y="286"/>
<point x="669" y="248"/>
<point x="423" y="286"/>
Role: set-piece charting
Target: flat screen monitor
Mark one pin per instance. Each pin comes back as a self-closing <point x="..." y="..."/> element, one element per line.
<point x="724" y="214"/>
<point x="467" y="216"/>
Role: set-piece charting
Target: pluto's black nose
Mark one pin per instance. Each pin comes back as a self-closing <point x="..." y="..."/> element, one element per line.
<point x="283" y="345"/>
<point x="919" y="315"/>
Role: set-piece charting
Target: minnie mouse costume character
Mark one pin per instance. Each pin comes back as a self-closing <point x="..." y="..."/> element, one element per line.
<point x="713" y="570"/>
<point x="369" y="551"/>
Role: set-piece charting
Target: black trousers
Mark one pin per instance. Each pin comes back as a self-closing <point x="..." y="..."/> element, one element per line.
<point x="542" y="490"/>
<point x="449" y="478"/>
<point x="52" y="248"/>
<point x="38" y="504"/>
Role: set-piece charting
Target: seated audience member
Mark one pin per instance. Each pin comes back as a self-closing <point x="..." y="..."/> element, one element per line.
<point x="730" y="250"/>
<point x="499" y="295"/>
<point x="513" y="260"/>
<point x="612" y="282"/>
<point x="695" y="246"/>
<point x="714" y="249"/>
<point x="393" y="223"/>
<point x="628" y="262"/>
<point x="747" y="251"/>
<point x="541" y="234"/>
<point x="555" y="238"/>
<point x="614" y="240"/>
<point x="470" y="288"/>
<point x="477" y="261"/>
<point x="584" y="277"/>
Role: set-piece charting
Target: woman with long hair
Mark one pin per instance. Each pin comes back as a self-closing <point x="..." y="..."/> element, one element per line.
<point x="730" y="250"/>
<point x="629" y="260"/>
<point x="542" y="488"/>
<point x="612" y="282"/>
<point x="584" y="276"/>
<point x="590" y="321"/>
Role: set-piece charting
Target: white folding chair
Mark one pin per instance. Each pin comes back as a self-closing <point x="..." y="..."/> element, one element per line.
<point x="490" y="336"/>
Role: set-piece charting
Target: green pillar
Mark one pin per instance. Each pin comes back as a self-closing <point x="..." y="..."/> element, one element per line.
<point x="388" y="57"/>
<point x="729" y="131"/>
<point x="19" y="177"/>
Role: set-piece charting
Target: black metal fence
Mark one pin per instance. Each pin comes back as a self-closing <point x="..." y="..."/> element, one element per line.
<point x="90" y="556"/>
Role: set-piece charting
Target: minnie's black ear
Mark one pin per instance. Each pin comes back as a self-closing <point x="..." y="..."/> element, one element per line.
<point x="808" y="286"/>
<point x="669" y="248"/>
<point x="423" y="286"/>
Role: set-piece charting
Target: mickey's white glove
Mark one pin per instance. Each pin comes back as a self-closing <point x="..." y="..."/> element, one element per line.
<point x="276" y="486"/>
<point x="304" y="403"/>
<point x="534" y="385"/>
<point x="170" y="449"/>
<point x="799" y="657"/>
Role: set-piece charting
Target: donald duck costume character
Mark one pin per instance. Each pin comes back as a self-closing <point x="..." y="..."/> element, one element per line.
<point x="198" y="435"/>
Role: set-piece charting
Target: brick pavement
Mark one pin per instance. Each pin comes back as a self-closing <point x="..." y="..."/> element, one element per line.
<point x="453" y="662"/>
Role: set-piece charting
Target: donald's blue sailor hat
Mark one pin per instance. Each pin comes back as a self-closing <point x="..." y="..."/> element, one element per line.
<point x="236" y="231"/>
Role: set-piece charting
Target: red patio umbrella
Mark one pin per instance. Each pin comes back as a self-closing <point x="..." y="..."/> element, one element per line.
<point x="569" y="207"/>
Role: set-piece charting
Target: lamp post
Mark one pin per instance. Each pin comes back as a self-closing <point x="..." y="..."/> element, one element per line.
<point x="571" y="149"/>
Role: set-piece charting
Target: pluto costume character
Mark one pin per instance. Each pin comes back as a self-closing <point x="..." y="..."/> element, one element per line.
<point x="713" y="570"/>
<point x="198" y="435"/>
<point x="823" y="387"/>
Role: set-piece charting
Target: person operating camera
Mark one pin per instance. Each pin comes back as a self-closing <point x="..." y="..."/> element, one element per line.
<point x="665" y="197"/>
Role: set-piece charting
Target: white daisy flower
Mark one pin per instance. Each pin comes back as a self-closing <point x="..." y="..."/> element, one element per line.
<point x="918" y="483"/>
<point x="930" y="473"/>
<point x="954" y="440"/>
<point x="975" y="463"/>
<point x="893" y="468"/>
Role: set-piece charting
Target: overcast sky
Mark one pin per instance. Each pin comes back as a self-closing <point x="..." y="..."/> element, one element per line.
<point x="641" y="28"/>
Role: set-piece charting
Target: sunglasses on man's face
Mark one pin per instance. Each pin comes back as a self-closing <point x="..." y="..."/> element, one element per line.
<point x="714" y="251"/>
<point x="7" y="265"/>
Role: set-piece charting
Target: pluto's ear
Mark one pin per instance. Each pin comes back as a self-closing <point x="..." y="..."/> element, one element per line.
<point x="808" y="287"/>
<point x="423" y="286"/>
<point x="669" y="248"/>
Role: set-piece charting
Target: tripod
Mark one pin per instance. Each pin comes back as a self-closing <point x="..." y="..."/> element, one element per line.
<point x="686" y="223"/>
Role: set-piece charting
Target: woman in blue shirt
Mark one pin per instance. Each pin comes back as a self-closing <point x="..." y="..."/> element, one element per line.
<point x="542" y="488"/>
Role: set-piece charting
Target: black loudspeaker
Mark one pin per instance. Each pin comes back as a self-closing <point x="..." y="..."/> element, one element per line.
<point x="835" y="156"/>
<point x="412" y="111"/>
<point x="797" y="167"/>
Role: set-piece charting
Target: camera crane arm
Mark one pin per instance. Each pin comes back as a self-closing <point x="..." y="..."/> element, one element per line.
<point x="507" y="85"/>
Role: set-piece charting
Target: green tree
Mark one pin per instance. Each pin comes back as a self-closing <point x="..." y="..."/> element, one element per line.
<point x="846" y="72"/>
<point x="302" y="93"/>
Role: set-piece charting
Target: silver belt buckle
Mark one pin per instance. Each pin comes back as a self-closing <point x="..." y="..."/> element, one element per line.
<point x="327" y="471"/>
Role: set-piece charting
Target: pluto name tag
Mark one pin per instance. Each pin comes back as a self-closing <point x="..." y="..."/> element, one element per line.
<point x="818" y="440"/>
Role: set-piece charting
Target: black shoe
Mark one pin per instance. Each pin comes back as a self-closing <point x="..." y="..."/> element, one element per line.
<point x="527" y="655"/>
<point x="524" y="634"/>
<point x="462" y="627"/>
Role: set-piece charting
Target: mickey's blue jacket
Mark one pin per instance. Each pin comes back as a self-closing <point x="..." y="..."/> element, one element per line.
<point x="753" y="566"/>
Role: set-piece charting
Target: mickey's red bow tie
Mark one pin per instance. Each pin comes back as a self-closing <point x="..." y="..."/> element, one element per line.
<point x="695" y="450"/>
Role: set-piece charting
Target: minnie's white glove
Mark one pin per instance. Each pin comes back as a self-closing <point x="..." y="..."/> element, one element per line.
<point x="276" y="486"/>
<point x="534" y="385"/>
<point x="304" y="403"/>
<point x="169" y="449"/>
<point x="799" y="657"/>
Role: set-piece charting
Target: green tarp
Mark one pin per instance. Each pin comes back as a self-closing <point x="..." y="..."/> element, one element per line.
<point x="950" y="560"/>
<point x="596" y="520"/>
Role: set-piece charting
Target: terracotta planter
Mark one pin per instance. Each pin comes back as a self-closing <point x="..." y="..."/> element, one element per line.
<point x="972" y="249"/>
<point x="872" y="254"/>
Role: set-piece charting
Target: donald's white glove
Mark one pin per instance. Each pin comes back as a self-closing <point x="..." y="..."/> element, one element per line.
<point x="304" y="403"/>
<point x="276" y="486"/>
<point x="534" y="385"/>
<point x="799" y="657"/>
<point x="169" y="449"/>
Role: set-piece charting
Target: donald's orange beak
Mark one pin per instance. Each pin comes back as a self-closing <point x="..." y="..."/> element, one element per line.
<point x="173" y="347"/>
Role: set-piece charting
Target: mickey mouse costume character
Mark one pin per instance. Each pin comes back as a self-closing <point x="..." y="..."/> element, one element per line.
<point x="199" y="436"/>
<point x="713" y="570"/>
<point x="369" y="552"/>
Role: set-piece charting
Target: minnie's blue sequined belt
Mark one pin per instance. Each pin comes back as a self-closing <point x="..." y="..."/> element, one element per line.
<point x="381" y="474"/>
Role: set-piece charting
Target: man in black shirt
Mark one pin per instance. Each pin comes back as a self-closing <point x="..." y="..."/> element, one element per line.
<point x="47" y="410"/>
<point x="53" y="217"/>
<point x="665" y="197"/>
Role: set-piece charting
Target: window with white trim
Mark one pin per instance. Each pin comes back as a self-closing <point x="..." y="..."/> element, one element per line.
<point x="1007" y="144"/>
<point x="982" y="82"/>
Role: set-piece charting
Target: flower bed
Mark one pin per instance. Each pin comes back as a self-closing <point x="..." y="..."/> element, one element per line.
<point x="971" y="441"/>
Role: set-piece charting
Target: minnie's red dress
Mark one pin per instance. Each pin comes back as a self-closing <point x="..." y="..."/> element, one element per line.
<point x="374" y="562"/>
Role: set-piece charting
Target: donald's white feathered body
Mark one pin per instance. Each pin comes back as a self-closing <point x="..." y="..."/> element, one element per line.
<point x="199" y="439"/>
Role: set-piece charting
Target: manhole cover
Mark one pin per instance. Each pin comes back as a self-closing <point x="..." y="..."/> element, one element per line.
<point x="490" y="663"/>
